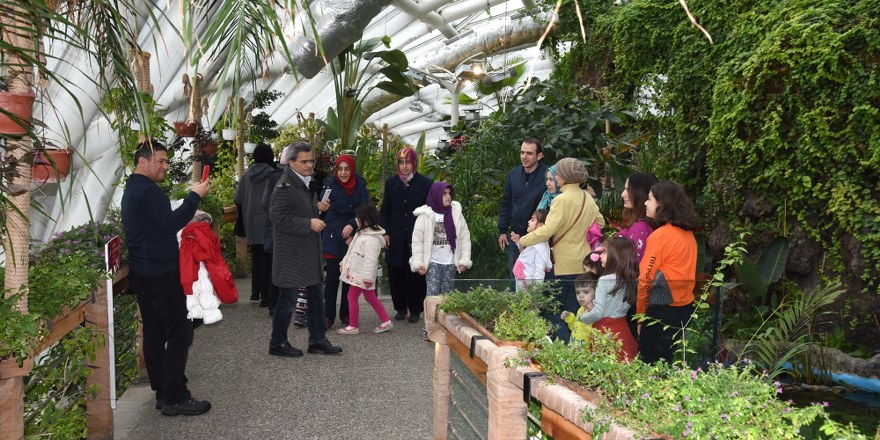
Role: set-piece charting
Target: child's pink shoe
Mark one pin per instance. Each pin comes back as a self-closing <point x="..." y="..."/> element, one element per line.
<point x="387" y="325"/>
<point x="348" y="330"/>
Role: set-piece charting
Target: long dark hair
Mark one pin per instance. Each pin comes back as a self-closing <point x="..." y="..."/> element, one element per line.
<point x="368" y="215"/>
<point x="622" y="261"/>
<point x="639" y="186"/>
<point x="674" y="206"/>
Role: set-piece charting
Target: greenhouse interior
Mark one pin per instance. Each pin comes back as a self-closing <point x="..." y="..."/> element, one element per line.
<point x="569" y="219"/>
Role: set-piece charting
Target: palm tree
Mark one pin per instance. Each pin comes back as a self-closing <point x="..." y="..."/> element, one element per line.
<point x="239" y="34"/>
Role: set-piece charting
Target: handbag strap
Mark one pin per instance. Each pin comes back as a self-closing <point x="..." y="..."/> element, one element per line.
<point x="583" y="204"/>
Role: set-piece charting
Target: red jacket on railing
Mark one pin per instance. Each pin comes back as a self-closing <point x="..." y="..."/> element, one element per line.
<point x="198" y="243"/>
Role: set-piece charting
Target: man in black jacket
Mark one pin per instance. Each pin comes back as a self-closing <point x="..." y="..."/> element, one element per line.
<point x="154" y="275"/>
<point x="522" y="189"/>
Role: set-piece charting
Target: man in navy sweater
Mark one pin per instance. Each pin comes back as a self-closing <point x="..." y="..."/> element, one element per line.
<point x="522" y="189"/>
<point x="154" y="275"/>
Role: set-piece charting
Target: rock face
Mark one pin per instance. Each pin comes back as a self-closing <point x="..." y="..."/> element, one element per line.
<point x="869" y="368"/>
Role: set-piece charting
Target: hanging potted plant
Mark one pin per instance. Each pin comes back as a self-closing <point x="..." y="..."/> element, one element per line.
<point x="16" y="109"/>
<point x="186" y="128"/>
<point x="51" y="165"/>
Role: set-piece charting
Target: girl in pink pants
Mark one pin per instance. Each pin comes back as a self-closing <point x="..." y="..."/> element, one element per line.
<point x="359" y="268"/>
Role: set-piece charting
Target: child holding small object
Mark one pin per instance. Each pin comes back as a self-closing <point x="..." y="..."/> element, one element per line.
<point x="585" y="292"/>
<point x="360" y="266"/>
<point x="534" y="261"/>
<point x="615" y="292"/>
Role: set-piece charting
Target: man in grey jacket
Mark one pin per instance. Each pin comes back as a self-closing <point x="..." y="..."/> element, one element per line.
<point x="250" y="190"/>
<point x="298" y="257"/>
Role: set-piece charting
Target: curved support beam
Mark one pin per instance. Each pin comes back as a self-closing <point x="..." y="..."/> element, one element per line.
<point x="488" y="43"/>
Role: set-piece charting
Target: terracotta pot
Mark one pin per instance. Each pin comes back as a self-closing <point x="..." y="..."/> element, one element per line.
<point x="230" y="213"/>
<point x="46" y="162"/>
<point x="20" y="105"/>
<point x="186" y="128"/>
<point x="210" y="148"/>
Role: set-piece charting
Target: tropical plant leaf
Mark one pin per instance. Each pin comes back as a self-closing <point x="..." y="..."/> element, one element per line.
<point x="395" y="88"/>
<point x="748" y="274"/>
<point x="771" y="264"/>
<point x="394" y="57"/>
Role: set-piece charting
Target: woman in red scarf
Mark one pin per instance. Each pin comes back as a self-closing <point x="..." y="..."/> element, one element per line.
<point x="347" y="191"/>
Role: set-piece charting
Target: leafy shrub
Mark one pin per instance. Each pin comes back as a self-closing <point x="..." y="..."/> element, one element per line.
<point x="486" y="304"/>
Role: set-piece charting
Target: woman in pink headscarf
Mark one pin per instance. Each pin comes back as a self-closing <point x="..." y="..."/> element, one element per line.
<point x="403" y="194"/>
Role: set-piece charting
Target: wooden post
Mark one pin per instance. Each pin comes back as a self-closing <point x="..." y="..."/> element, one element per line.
<point x="99" y="412"/>
<point x="437" y="334"/>
<point x="195" y="112"/>
<point x="507" y="411"/>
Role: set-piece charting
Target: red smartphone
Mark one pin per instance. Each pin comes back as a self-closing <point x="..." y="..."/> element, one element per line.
<point x="206" y="170"/>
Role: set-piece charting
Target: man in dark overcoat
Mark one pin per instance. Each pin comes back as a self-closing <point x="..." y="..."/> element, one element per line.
<point x="298" y="256"/>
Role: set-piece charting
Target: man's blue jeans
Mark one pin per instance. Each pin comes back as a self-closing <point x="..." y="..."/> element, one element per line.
<point x="284" y="311"/>
<point x="512" y="255"/>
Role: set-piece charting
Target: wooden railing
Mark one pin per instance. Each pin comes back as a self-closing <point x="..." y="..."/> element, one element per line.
<point x="561" y="407"/>
<point x="93" y="313"/>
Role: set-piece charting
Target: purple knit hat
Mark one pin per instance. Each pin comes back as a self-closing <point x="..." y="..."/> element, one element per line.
<point x="435" y="201"/>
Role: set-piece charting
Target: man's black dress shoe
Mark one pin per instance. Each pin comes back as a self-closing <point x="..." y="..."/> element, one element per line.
<point x="414" y="317"/>
<point x="286" y="350"/>
<point x="400" y="316"/>
<point x="324" y="347"/>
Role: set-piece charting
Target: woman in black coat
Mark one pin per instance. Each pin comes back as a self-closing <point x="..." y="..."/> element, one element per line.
<point x="404" y="193"/>
<point x="348" y="191"/>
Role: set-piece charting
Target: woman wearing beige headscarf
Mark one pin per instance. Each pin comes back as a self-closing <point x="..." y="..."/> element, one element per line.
<point x="571" y="214"/>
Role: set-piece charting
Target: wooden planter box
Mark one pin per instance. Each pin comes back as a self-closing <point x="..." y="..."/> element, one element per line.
<point x="476" y="325"/>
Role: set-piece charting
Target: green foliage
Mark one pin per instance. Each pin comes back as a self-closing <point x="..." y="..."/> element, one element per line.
<point x="486" y="305"/>
<point x="521" y="322"/>
<point x="19" y="333"/>
<point x="782" y="108"/>
<point x="125" y="109"/>
<point x="785" y="334"/>
<point x="352" y="80"/>
<point x="125" y="325"/>
<point x="56" y="391"/>
<point x="64" y="273"/>
<point x="709" y="402"/>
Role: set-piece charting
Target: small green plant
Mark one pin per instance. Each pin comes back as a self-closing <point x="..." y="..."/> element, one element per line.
<point x="486" y="304"/>
<point x="521" y="322"/>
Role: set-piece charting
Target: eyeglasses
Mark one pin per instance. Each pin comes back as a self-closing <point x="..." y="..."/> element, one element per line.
<point x="404" y="162"/>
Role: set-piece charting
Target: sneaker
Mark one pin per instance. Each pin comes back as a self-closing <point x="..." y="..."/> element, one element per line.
<point x="188" y="407"/>
<point x="299" y="321"/>
<point x="348" y="330"/>
<point x="387" y="325"/>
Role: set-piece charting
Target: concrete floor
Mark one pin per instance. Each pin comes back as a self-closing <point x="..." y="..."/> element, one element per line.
<point x="378" y="388"/>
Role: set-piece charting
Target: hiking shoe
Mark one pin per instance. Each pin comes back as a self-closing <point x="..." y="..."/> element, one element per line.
<point x="348" y="330"/>
<point x="188" y="407"/>
<point x="387" y="325"/>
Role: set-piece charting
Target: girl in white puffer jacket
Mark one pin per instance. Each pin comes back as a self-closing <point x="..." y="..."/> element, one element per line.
<point x="360" y="266"/>
<point x="441" y="240"/>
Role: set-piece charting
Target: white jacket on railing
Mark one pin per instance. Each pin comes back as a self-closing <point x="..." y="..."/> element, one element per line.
<point x="423" y="238"/>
